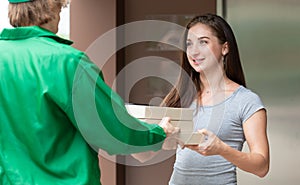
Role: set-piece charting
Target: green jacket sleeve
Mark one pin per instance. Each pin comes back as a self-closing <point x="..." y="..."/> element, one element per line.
<point x="102" y="118"/>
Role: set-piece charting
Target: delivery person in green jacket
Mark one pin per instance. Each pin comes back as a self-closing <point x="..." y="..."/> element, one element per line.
<point x="49" y="95"/>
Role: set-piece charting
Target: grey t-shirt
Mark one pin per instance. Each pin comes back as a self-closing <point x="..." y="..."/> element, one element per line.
<point x="226" y="120"/>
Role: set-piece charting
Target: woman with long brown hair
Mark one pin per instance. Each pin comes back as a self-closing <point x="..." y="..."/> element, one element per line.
<point x="226" y="112"/>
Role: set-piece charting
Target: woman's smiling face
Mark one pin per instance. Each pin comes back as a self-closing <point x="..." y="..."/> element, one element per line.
<point x="204" y="50"/>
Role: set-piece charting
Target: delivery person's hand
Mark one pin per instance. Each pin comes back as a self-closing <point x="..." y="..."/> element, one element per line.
<point x="172" y="133"/>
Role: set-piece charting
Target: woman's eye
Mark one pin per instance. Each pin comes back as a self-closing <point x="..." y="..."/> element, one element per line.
<point x="188" y="44"/>
<point x="202" y="42"/>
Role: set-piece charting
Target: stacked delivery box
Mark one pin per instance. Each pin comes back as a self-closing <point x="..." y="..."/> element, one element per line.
<point x="180" y="117"/>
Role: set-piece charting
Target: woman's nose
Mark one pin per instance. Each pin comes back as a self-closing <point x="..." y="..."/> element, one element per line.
<point x="194" y="50"/>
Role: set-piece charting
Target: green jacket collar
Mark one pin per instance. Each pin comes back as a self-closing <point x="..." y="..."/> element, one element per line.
<point x="29" y="32"/>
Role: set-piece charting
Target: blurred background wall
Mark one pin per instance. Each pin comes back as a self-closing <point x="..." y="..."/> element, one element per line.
<point x="268" y="35"/>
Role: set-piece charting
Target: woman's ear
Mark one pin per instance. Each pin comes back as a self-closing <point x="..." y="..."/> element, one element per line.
<point x="225" y="49"/>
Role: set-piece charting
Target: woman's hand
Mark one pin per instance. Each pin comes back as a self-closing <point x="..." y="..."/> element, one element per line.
<point x="255" y="161"/>
<point x="211" y="144"/>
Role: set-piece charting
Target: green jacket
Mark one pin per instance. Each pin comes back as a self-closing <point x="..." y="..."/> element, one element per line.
<point x="56" y="112"/>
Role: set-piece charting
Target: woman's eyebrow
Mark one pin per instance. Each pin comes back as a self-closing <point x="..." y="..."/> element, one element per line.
<point x="204" y="37"/>
<point x="199" y="38"/>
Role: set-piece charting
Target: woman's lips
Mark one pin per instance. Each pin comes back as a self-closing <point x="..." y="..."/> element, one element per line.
<point x="198" y="60"/>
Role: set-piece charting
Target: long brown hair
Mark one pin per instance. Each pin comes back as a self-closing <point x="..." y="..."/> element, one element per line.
<point x="188" y="87"/>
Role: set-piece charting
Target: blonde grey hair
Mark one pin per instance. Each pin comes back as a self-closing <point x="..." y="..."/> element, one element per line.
<point x="34" y="13"/>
